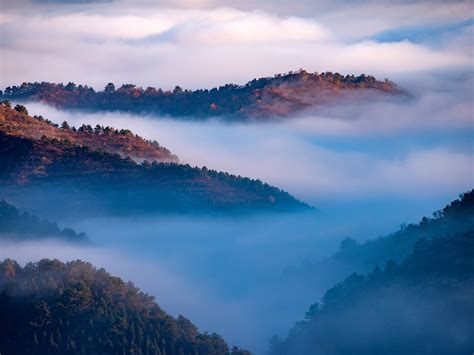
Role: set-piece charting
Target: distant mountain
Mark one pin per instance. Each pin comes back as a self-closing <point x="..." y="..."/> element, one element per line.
<point x="424" y="305"/>
<point x="278" y="96"/>
<point x="456" y="218"/>
<point x="16" y="225"/>
<point x="67" y="176"/>
<point x="54" y="308"/>
<point x="18" y="123"/>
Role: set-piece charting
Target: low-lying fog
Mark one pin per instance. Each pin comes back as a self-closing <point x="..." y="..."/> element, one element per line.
<point x="367" y="168"/>
<point x="224" y="274"/>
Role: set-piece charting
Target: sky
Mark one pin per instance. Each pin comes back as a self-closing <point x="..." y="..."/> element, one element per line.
<point x="207" y="43"/>
<point x="368" y="166"/>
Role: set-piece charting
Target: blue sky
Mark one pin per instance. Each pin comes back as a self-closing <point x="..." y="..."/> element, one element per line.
<point x="428" y="33"/>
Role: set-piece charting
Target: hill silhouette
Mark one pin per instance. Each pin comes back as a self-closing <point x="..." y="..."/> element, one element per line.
<point x="16" y="225"/>
<point x="455" y="218"/>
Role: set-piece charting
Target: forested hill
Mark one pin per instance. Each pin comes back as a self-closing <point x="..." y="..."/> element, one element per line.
<point x="64" y="177"/>
<point x="455" y="218"/>
<point x="423" y="305"/>
<point x="54" y="308"/>
<point x="16" y="225"/>
<point x="16" y="122"/>
<point x="281" y="95"/>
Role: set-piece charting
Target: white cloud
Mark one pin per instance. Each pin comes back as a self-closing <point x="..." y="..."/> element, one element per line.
<point x="232" y="27"/>
<point x="367" y="18"/>
<point x="95" y="44"/>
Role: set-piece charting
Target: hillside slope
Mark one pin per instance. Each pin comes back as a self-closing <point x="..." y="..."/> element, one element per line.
<point x="424" y="305"/>
<point x="76" y="178"/>
<point x="18" y="123"/>
<point x="54" y="308"/>
<point x="278" y="96"/>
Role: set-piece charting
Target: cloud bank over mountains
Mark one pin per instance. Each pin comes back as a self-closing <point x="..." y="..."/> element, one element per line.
<point x="205" y="43"/>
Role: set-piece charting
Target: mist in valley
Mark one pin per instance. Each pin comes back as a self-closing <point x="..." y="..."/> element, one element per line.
<point x="223" y="273"/>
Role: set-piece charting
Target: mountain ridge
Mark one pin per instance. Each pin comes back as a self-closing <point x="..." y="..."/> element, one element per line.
<point x="279" y="96"/>
<point x="79" y="177"/>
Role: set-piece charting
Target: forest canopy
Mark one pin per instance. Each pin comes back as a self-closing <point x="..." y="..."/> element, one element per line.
<point x="50" y="307"/>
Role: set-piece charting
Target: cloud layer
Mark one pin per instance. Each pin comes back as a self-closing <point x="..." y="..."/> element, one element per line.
<point x="197" y="44"/>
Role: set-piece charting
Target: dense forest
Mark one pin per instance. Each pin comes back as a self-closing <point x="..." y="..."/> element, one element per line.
<point x="276" y="96"/>
<point x="455" y="218"/>
<point x="50" y="307"/>
<point x="422" y="305"/>
<point x="16" y="225"/>
<point x="78" y="178"/>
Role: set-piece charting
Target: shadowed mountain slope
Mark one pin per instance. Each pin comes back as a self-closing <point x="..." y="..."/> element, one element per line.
<point x="455" y="218"/>
<point x="77" y="178"/>
<point x="423" y="305"/>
